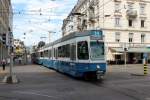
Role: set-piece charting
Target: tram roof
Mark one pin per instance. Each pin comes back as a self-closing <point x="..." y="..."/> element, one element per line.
<point x="71" y="36"/>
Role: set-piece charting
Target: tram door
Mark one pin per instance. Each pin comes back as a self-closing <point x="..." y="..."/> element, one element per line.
<point x="72" y="55"/>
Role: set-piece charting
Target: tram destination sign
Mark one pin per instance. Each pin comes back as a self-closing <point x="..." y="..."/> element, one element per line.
<point x="96" y="35"/>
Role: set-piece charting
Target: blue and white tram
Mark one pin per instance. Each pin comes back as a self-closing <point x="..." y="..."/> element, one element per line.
<point x="80" y="54"/>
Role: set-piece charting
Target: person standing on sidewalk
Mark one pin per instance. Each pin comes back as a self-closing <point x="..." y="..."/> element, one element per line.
<point x="3" y="63"/>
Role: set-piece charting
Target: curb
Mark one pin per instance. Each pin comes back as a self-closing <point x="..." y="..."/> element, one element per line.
<point x="138" y="75"/>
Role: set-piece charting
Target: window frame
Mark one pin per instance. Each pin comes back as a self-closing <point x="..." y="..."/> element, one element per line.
<point x="143" y="37"/>
<point x="131" y="35"/>
<point x="117" y="37"/>
<point x="117" y="7"/>
<point x="130" y="23"/>
<point x="142" y="23"/>
<point x="142" y="9"/>
<point x="117" y="21"/>
<point x="87" y="51"/>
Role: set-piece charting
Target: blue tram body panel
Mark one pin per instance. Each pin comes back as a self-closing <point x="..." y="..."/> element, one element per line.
<point x="76" y="70"/>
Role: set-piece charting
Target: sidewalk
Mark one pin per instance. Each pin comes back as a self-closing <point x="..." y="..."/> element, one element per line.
<point x="129" y="68"/>
<point x="4" y="71"/>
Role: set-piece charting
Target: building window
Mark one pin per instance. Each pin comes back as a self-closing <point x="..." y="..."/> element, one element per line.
<point x="130" y="22"/>
<point x="117" y="21"/>
<point x="142" y="23"/>
<point x="117" y="7"/>
<point x="130" y="37"/>
<point x="130" y="6"/>
<point x="142" y="9"/>
<point x="117" y="37"/>
<point x="142" y="38"/>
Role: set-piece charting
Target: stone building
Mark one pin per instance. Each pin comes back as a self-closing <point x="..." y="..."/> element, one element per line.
<point x="125" y="23"/>
<point x="6" y="36"/>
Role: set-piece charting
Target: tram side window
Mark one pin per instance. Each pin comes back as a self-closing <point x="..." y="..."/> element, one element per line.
<point x="83" y="53"/>
<point x="64" y="51"/>
<point x="50" y="54"/>
<point x="41" y="54"/>
<point x="67" y="50"/>
<point x="73" y="52"/>
<point x="55" y="53"/>
<point x="46" y="53"/>
<point x="60" y="51"/>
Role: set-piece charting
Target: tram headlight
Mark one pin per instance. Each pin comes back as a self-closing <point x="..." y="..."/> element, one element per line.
<point x="98" y="67"/>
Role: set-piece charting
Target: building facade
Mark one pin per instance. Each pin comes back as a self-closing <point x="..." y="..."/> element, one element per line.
<point x="19" y="47"/>
<point x="21" y="52"/>
<point x="6" y="36"/>
<point x="125" y="23"/>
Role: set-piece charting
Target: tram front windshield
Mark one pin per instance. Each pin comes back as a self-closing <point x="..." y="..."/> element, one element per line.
<point x="97" y="50"/>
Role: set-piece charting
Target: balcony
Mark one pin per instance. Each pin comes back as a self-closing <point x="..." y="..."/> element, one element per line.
<point x="131" y="13"/>
<point x="143" y="15"/>
<point x="117" y="13"/>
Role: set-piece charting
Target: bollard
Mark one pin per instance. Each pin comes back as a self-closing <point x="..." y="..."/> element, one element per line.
<point x="145" y="69"/>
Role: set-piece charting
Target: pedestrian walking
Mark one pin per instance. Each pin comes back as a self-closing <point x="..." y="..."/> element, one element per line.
<point x="3" y="63"/>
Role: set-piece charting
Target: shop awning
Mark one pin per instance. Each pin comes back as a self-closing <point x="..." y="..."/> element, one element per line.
<point x="132" y="50"/>
<point x="117" y="53"/>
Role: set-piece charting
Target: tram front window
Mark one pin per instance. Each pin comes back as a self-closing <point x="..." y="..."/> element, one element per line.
<point x="83" y="53"/>
<point x="97" y="50"/>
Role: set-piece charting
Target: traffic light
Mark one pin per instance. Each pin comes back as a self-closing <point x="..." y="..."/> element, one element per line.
<point x="4" y="38"/>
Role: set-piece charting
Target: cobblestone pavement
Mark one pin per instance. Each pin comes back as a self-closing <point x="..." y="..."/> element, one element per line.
<point x="40" y="83"/>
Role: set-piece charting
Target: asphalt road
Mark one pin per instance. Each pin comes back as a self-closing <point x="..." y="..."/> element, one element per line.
<point x="39" y="83"/>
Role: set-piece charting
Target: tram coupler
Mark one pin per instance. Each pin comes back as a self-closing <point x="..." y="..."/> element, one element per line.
<point x="99" y="75"/>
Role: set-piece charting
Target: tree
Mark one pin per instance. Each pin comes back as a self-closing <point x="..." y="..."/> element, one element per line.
<point x="41" y="44"/>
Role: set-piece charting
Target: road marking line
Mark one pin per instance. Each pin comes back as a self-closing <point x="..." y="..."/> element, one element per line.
<point x="33" y="93"/>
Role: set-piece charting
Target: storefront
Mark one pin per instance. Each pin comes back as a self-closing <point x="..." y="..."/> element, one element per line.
<point x="133" y="55"/>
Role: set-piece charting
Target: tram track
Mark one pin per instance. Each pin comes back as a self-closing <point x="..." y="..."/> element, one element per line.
<point x="8" y="98"/>
<point x="125" y="92"/>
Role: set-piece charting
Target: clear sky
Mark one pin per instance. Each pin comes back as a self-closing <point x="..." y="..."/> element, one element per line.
<point x="34" y="18"/>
